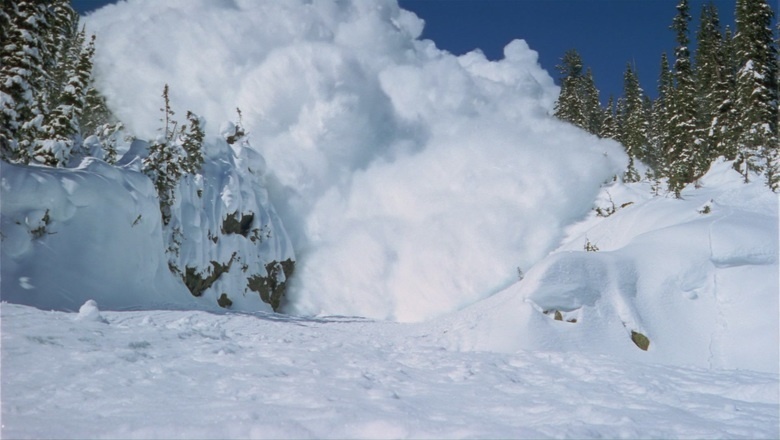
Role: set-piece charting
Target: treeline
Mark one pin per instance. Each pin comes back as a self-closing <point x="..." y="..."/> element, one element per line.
<point x="50" y="111"/>
<point x="51" y="114"/>
<point x="722" y="101"/>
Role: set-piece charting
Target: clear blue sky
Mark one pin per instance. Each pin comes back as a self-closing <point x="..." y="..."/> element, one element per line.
<point x="607" y="33"/>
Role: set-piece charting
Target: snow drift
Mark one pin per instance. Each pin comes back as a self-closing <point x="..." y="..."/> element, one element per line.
<point x="69" y="235"/>
<point x="698" y="277"/>
<point x="94" y="232"/>
<point x="412" y="182"/>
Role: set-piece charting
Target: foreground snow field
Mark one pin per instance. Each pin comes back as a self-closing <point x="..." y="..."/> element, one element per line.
<point x="170" y="374"/>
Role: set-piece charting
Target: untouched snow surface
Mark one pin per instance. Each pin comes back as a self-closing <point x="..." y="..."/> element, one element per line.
<point x="170" y="374"/>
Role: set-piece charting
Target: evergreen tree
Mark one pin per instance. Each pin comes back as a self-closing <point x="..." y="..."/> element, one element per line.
<point x="683" y="149"/>
<point x="64" y="43"/>
<point x="192" y="136"/>
<point x="23" y="77"/>
<point x="633" y="131"/>
<point x="594" y="114"/>
<point x="44" y="78"/>
<point x="163" y="164"/>
<point x="609" y="124"/>
<point x="61" y="126"/>
<point x="756" y="90"/>
<point x="711" y="85"/>
<point x="722" y="126"/>
<point x="662" y="115"/>
<point x="578" y="102"/>
<point x="570" y="106"/>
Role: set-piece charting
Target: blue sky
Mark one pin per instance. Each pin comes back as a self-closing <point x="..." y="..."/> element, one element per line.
<point x="607" y="33"/>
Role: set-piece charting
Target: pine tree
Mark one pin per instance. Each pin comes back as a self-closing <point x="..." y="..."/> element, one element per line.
<point x="594" y="114"/>
<point x="578" y="102"/>
<point x="712" y="87"/>
<point x="61" y="126"/>
<point x="23" y="77"/>
<point x="64" y="43"/>
<point x="163" y="164"/>
<point x="609" y="124"/>
<point x="192" y="136"/>
<point x="756" y="90"/>
<point x="722" y="127"/>
<point x="683" y="149"/>
<point x="570" y="106"/>
<point x="633" y="131"/>
<point x="44" y="78"/>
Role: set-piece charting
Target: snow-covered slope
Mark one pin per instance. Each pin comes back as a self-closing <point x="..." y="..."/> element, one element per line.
<point x="197" y="375"/>
<point x="698" y="277"/>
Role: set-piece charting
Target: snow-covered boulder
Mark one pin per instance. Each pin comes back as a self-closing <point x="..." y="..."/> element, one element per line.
<point x="225" y="240"/>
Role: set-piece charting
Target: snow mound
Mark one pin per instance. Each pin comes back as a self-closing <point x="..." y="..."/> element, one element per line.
<point x="412" y="182"/>
<point x="89" y="312"/>
<point x="71" y="235"/>
<point x="701" y="285"/>
<point x="95" y="232"/>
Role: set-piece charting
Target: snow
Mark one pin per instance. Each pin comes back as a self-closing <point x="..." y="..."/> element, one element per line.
<point x="413" y="188"/>
<point x="185" y="374"/>
<point x="412" y="182"/>
<point x="703" y="288"/>
<point x="94" y="232"/>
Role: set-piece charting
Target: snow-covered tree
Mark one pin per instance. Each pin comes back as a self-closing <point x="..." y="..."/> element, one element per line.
<point x="174" y="155"/>
<point x="756" y="90"/>
<point x="191" y="140"/>
<point x="608" y="122"/>
<point x="633" y="130"/>
<point x="594" y="114"/>
<point x="61" y="127"/>
<point x="578" y="102"/>
<point x="683" y="149"/>
<point x="45" y="79"/>
<point x="23" y="77"/>
<point x="163" y="164"/>
<point x="569" y="106"/>
<point x="712" y="85"/>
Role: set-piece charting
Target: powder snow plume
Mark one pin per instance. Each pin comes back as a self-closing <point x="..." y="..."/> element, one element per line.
<point x="413" y="182"/>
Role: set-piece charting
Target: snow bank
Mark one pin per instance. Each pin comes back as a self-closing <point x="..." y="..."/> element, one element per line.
<point x="70" y="235"/>
<point x="95" y="233"/>
<point x="412" y="182"/>
<point x="698" y="277"/>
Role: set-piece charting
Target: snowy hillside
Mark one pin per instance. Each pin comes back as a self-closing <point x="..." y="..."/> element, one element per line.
<point x="698" y="277"/>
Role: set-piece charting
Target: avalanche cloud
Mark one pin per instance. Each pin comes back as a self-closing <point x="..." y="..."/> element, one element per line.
<point x="412" y="182"/>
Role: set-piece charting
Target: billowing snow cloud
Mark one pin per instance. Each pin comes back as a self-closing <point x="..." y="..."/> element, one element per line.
<point x="413" y="182"/>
